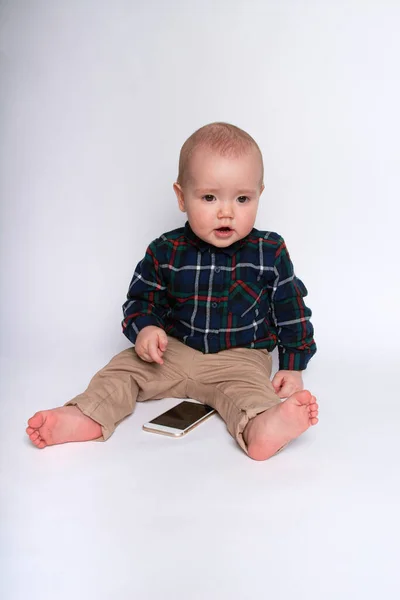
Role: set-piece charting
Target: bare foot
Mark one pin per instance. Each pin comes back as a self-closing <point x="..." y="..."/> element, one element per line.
<point x="274" y="428"/>
<point x="60" y="425"/>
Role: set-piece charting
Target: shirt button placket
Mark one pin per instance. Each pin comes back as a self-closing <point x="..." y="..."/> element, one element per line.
<point x="215" y="305"/>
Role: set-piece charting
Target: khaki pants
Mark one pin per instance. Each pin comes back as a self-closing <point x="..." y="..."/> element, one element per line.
<point x="236" y="382"/>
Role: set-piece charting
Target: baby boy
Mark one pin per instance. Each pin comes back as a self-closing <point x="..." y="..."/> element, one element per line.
<point x="205" y="308"/>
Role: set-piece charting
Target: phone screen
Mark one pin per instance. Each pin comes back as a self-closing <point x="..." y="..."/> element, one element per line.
<point x="183" y="415"/>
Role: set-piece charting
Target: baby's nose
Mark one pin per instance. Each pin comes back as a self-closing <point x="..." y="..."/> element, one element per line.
<point x="225" y="210"/>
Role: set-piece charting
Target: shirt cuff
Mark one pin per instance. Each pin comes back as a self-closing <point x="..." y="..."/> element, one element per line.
<point x="293" y="361"/>
<point x="132" y="332"/>
<point x="146" y="320"/>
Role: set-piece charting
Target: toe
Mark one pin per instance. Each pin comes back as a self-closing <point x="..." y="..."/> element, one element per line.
<point x="304" y="397"/>
<point x="29" y="430"/>
<point x="38" y="442"/>
<point x="36" y="421"/>
<point x="314" y="420"/>
<point x="34" y="436"/>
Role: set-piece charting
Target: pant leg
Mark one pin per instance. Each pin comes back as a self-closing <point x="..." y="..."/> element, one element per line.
<point x="114" y="390"/>
<point x="236" y="382"/>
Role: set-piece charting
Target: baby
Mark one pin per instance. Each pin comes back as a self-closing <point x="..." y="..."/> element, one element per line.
<point x="205" y="308"/>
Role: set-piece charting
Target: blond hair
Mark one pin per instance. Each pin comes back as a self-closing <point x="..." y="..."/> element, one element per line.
<point x="224" y="138"/>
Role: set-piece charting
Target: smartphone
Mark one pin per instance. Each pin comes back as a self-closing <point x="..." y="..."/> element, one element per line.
<point x="180" y="419"/>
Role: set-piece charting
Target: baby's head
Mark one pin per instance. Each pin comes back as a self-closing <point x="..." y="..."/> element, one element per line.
<point x="219" y="183"/>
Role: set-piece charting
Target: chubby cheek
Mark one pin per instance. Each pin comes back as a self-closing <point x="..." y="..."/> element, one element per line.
<point x="247" y="223"/>
<point x="199" y="218"/>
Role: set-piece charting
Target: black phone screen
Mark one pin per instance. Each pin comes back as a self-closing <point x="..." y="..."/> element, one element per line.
<point x="183" y="415"/>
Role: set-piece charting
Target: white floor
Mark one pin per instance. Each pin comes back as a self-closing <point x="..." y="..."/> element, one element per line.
<point x="144" y="516"/>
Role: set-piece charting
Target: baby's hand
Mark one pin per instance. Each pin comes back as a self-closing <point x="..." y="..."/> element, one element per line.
<point x="151" y="344"/>
<point x="287" y="383"/>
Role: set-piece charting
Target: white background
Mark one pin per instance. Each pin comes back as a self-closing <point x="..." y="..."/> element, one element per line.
<point x="96" y="99"/>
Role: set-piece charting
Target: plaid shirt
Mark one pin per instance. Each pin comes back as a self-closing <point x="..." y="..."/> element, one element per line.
<point x="213" y="298"/>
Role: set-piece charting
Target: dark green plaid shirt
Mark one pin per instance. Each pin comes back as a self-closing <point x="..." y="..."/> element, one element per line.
<point x="212" y="299"/>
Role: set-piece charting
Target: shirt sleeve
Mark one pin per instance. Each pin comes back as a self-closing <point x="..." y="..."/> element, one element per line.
<point x="146" y="302"/>
<point x="296" y="343"/>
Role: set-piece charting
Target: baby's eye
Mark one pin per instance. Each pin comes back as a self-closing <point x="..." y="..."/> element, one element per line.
<point x="243" y="199"/>
<point x="208" y="197"/>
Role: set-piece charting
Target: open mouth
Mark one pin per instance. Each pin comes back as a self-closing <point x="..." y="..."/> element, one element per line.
<point x="224" y="232"/>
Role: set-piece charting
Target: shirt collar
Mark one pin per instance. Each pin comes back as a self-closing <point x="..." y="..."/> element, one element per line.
<point x="203" y="246"/>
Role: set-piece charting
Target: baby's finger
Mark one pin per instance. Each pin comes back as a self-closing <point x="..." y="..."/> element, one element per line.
<point x="141" y="352"/>
<point x="153" y="351"/>
<point x="277" y="382"/>
<point x="285" y="391"/>
<point x="138" y="351"/>
<point x="162" y="341"/>
<point x="144" y="356"/>
<point x="276" y="386"/>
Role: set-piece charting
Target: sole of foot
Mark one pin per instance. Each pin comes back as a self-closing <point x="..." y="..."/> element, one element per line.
<point x="269" y="431"/>
<point x="61" y="425"/>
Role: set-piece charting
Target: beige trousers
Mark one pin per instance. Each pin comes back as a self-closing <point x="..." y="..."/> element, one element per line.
<point x="236" y="382"/>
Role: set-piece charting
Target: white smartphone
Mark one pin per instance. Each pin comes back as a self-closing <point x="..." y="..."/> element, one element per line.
<point x="180" y="419"/>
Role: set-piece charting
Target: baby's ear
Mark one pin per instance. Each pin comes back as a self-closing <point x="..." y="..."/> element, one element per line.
<point x="179" y="194"/>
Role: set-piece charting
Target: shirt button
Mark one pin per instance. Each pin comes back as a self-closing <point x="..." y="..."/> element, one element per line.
<point x="214" y="304"/>
<point x="217" y="269"/>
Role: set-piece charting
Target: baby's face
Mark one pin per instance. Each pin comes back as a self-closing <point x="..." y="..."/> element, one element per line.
<point x="220" y="195"/>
